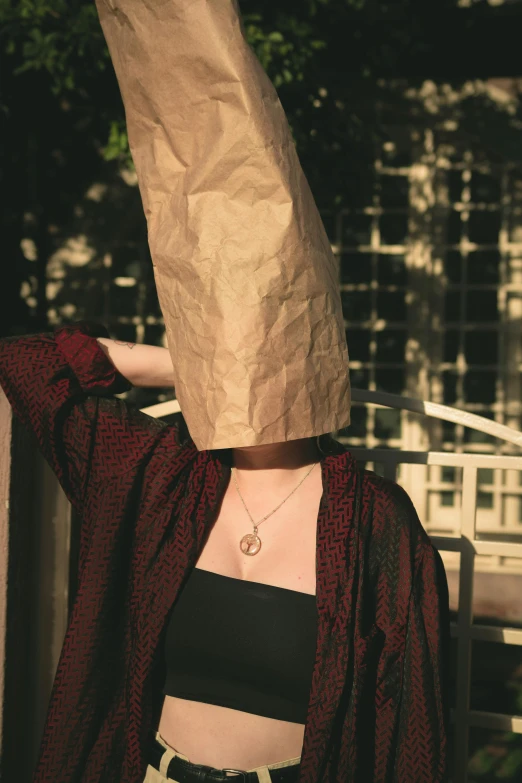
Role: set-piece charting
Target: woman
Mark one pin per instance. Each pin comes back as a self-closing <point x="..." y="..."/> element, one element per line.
<point x="173" y="667"/>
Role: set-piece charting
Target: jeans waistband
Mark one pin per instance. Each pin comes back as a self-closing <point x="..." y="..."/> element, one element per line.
<point x="175" y="766"/>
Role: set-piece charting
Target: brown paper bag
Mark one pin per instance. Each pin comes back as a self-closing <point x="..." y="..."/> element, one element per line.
<point x="245" y="274"/>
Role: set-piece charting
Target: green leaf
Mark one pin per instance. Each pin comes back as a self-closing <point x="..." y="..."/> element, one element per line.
<point x="511" y="765"/>
<point x="118" y="144"/>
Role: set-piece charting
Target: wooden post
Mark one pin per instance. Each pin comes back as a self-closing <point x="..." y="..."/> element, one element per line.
<point x="34" y="575"/>
<point x="5" y="473"/>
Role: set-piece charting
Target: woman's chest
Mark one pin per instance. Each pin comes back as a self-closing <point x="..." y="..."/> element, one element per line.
<point x="287" y="557"/>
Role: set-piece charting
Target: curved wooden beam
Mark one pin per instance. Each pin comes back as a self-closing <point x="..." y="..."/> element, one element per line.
<point x="384" y="399"/>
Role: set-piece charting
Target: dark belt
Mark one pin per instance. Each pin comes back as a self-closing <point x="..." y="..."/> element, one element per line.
<point x="185" y="772"/>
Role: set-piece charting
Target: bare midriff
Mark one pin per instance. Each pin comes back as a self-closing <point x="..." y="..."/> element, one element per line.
<point x="225" y="738"/>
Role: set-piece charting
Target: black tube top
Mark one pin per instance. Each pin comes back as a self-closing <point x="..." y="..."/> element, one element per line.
<point x="242" y="645"/>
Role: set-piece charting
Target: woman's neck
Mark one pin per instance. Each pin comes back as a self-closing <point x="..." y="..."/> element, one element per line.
<point x="275" y="463"/>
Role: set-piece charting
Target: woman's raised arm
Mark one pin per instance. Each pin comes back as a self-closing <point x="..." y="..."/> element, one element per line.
<point x="62" y="386"/>
<point x="142" y="365"/>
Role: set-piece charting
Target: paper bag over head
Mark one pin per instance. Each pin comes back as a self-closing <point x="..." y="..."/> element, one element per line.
<point x="245" y="274"/>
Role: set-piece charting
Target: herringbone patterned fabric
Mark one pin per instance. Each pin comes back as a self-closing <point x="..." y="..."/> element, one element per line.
<point x="378" y="706"/>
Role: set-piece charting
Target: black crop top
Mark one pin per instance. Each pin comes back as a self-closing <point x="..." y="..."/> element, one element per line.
<point x="243" y="645"/>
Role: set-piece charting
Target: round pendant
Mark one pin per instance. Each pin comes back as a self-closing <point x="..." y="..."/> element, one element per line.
<point x="250" y="544"/>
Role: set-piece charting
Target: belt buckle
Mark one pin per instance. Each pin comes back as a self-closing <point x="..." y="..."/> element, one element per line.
<point x="238" y="772"/>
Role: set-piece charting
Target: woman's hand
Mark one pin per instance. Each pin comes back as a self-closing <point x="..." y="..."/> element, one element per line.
<point x="142" y="365"/>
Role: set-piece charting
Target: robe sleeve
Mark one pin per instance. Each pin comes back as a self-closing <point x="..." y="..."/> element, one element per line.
<point x="407" y="605"/>
<point x="61" y="385"/>
<point x="423" y="715"/>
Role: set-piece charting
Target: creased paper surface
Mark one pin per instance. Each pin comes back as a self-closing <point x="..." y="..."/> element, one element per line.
<point x="246" y="278"/>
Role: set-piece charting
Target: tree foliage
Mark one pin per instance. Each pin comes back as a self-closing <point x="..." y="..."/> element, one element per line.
<point x="321" y="55"/>
<point x="330" y="60"/>
<point x="64" y="125"/>
<point x="61" y="40"/>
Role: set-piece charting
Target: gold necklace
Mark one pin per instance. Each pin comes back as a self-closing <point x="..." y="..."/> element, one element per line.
<point x="251" y="544"/>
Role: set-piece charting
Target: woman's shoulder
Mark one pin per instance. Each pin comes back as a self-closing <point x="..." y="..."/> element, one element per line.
<point x="132" y="438"/>
<point x="386" y="495"/>
<point x="389" y="511"/>
<point x="384" y="505"/>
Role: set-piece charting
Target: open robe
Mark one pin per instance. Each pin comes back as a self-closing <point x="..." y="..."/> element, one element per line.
<point x="245" y="274"/>
<point x="378" y="702"/>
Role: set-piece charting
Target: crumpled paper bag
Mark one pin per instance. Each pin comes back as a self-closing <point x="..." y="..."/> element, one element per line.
<point x="246" y="278"/>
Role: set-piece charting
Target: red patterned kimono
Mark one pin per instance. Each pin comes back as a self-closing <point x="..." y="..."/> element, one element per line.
<point x="378" y="706"/>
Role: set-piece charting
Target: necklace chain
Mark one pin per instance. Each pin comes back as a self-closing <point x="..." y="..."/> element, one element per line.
<point x="256" y="524"/>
